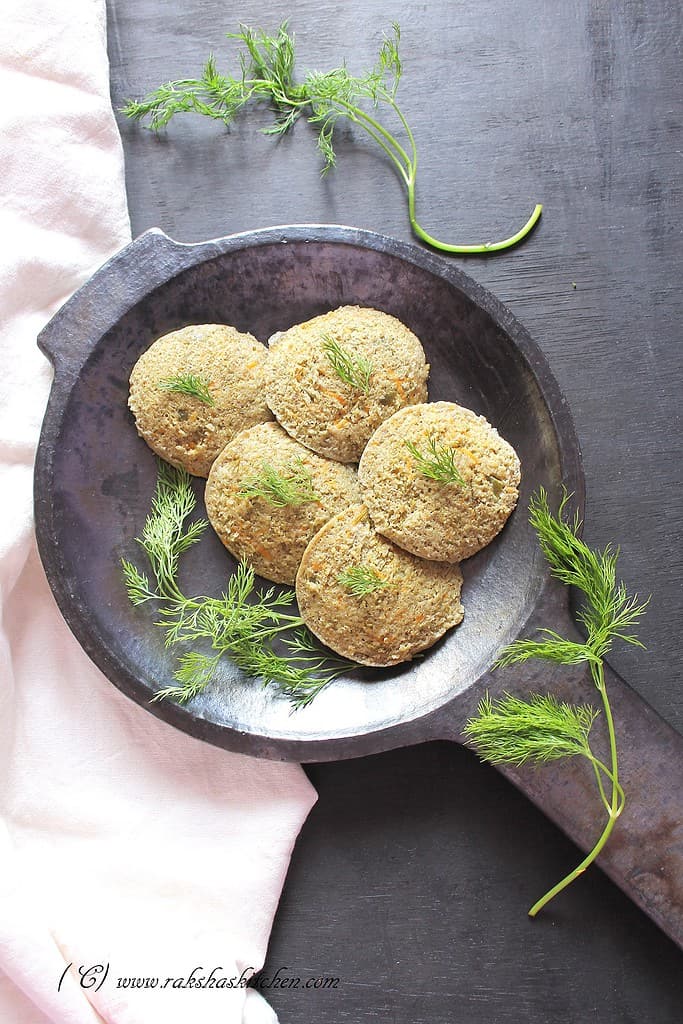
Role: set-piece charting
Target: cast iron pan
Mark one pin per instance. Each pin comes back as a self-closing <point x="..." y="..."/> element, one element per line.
<point x="94" y="480"/>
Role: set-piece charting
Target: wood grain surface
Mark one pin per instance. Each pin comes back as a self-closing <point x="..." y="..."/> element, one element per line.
<point x="412" y="876"/>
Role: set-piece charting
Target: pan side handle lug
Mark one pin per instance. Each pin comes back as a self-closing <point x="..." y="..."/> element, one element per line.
<point x="149" y="260"/>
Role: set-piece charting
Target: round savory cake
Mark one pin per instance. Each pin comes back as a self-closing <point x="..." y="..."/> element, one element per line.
<point x="332" y="380"/>
<point x="267" y="496"/>
<point x="192" y="390"/>
<point x="439" y="481"/>
<point x="370" y="600"/>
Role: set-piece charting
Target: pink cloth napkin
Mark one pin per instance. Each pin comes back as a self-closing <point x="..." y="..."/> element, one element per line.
<point x="122" y="841"/>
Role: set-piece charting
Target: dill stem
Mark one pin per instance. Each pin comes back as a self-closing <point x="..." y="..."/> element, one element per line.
<point x="598" y="767"/>
<point x="381" y="136"/>
<point x="292" y="621"/>
<point x="409" y="174"/>
<point x="506" y="243"/>
<point x="168" y="590"/>
<point x="378" y="126"/>
<point x="598" y="673"/>
<point x="614" y="808"/>
<point x="201" y="601"/>
<point x="411" y="138"/>
<point x="585" y="863"/>
<point x="598" y="779"/>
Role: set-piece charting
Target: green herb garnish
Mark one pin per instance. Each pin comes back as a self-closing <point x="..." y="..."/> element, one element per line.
<point x="324" y="98"/>
<point x="355" y="371"/>
<point x="512" y="730"/>
<point x="243" y="624"/>
<point x="188" y="384"/>
<point x="291" y="487"/>
<point x="361" y="580"/>
<point x="438" y="463"/>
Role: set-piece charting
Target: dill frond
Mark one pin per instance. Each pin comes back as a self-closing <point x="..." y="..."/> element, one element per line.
<point x="355" y="371"/>
<point x="437" y="463"/>
<point x="195" y="671"/>
<point x="293" y="486"/>
<point x="608" y="612"/>
<point x="188" y="384"/>
<point x="164" y="537"/>
<point x="243" y="624"/>
<point x="266" y="74"/>
<point x="513" y="731"/>
<point x="361" y="580"/>
<point x="549" y="646"/>
<point x="137" y="583"/>
<point x="300" y="674"/>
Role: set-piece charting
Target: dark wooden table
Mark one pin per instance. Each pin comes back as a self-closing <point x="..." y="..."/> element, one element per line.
<point x="412" y="876"/>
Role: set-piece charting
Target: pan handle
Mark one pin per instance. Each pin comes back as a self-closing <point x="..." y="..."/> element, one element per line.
<point x="149" y="260"/>
<point x="644" y="854"/>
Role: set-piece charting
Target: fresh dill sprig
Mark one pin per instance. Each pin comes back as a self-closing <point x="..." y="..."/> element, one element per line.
<point x="512" y="730"/>
<point x="305" y="670"/>
<point x="361" y="580"/>
<point x="164" y="536"/>
<point x="266" y="73"/>
<point x="438" y="463"/>
<point x="355" y="371"/>
<point x="188" y="384"/>
<point x="293" y="486"/>
<point x="243" y="624"/>
<point x="608" y="612"/>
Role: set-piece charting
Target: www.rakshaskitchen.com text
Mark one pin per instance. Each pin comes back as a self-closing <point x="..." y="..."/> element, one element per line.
<point x="94" y="976"/>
